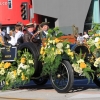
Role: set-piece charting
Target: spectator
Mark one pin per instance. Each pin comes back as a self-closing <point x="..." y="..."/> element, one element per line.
<point x="85" y="35"/>
<point x="18" y="34"/>
<point x="12" y="40"/>
<point x="1" y="36"/>
<point x="80" y="39"/>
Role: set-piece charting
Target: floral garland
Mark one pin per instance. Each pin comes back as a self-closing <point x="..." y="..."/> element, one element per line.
<point x="17" y="73"/>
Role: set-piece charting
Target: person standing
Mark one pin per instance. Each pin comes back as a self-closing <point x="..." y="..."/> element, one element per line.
<point x="18" y="34"/>
<point x="85" y="35"/>
<point x="80" y="39"/>
<point x="12" y="40"/>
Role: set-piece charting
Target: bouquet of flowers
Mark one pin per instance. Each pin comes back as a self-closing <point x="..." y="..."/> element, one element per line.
<point x="82" y="67"/>
<point x="18" y="72"/>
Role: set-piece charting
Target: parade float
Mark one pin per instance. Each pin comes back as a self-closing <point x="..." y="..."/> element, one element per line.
<point x="57" y="60"/>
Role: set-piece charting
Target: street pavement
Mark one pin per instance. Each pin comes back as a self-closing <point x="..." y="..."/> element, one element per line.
<point x="81" y="90"/>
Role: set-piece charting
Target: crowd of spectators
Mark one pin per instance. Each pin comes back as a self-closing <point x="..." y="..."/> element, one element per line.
<point x="24" y="33"/>
<point x="82" y="38"/>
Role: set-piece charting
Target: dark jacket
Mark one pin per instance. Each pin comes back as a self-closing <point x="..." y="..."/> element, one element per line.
<point x="27" y="37"/>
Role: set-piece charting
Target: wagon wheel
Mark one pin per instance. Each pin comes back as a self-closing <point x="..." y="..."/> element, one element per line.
<point x="97" y="80"/>
<point x="2" y="83"/>
<point x="35" y="53"/>
<point x="63" y="78"/>
<point x="42" y="80"/>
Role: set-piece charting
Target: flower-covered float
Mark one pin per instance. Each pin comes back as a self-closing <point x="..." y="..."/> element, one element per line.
<point x="51" y="61"/>
<point x="55" y="60"/>
<point x="88" y="64"/>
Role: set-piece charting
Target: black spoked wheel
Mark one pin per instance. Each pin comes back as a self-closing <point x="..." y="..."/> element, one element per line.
<point x="97" y="80"/>
<point x="2" y="83"/>
<point x="40" y="81"/>
<point x="63" y="78"/>
<point x="35" y="53"/>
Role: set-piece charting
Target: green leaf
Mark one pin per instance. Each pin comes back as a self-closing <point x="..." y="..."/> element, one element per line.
<point x="92" y="48"/>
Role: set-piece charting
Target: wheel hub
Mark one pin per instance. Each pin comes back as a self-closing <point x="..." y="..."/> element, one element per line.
<point x="58" y="76"/>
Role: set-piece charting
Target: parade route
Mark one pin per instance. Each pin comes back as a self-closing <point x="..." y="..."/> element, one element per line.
<point x="80" y="91"/>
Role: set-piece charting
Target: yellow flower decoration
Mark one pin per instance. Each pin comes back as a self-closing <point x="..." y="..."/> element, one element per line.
<point x="58" y="51"/>
<point x="71" y="54"/>
<point x="23" y="77"/>
<point x="82" y="65"/>
<point x="57" y="40"/>
<point x="97" y="34"/>
<point x="15" y="72"/>
<point x="52" y="49"/>
<point x="7" y="65"/>
<point x="7" y="83"/>
<point x="1" y="65"/>
<point x="23" y="60"/>
<point x="42" y="52"/>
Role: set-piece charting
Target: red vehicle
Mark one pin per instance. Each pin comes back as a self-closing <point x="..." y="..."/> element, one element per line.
<point x="13" y="11"/>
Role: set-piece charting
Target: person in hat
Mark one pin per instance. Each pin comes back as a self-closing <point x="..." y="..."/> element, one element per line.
<point x="44" y="27"/>
<point x="21" y="24"/>
<point x="43" y="30"/>
<point x="28" y="35"/>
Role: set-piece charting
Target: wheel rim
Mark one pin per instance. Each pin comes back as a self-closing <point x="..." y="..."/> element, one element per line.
<point x="2" y="83"/>
<point x="97" y="78"/>
<point x="61" y="78"/>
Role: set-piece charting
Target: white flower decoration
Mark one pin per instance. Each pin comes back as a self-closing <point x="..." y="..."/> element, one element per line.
<point x="97" y="39"/>
<point x="2" y="71"/>
<point x="80" y="61"/>
<point x="59" y="45"/>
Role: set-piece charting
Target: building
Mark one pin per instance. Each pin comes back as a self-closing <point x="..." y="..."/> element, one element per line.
<point x="64" y="13"/>
<point x="13" y="11"/>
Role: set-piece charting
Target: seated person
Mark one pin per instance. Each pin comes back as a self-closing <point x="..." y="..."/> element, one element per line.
<point x="43" y="30"/>
<point x="44" y="27"/>
<point x="29" y="32"/>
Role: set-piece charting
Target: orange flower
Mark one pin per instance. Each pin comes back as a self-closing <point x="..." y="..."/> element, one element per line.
<point x="82" y="65"/>
<point x="23" y="60"/>
<point x="57" y="40"/>
<point x="44" y="44"/>
<point x="7" y="65"/>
